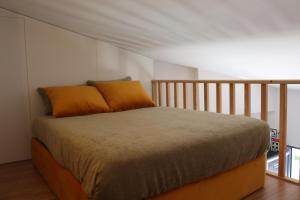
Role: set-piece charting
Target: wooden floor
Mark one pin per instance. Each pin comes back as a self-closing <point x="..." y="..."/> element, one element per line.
<point x="20" y="181"/>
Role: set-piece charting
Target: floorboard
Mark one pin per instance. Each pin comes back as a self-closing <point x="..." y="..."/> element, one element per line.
<point x="20" y="181"/>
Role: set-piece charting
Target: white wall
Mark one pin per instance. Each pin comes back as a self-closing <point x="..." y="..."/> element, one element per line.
<point x="35" y="54"/>
<point x="164" y="71"/>
<point x="14" y="105"/>
<point x="209" y="75"/>
<point x="56" y="57"/>
<point x="113" y="63"/>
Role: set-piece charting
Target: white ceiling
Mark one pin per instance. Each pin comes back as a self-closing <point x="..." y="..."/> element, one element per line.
<point x="251" y="38"/>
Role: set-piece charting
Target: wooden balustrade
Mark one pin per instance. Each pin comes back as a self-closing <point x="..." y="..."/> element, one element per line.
<point x="157" y="93"/>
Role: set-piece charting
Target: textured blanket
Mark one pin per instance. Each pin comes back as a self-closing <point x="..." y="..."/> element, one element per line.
<point x="142" y="153"/>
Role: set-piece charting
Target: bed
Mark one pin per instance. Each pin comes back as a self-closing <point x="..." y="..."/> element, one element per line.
<point x="151" y="153"/>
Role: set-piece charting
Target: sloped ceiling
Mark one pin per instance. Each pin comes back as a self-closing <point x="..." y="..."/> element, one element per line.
<point x="254" y="39"/>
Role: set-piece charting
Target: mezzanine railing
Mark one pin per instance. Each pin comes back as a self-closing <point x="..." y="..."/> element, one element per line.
<point x="157" y="95"/>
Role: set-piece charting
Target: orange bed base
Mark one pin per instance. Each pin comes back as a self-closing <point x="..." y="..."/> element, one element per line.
<point x="230" y="185"/>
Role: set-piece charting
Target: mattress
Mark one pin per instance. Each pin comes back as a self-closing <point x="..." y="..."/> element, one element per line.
<point x="142" y="153"/>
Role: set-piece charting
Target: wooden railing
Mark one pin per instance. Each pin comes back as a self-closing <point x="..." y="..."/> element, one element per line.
<point x="157" y="95"/>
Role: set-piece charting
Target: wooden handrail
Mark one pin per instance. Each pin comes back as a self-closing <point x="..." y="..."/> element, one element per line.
<point x="157" y="98"/>
<point x="242" y="81"/>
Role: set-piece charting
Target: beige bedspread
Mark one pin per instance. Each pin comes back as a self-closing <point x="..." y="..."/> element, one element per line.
<point x="141" y="153"/>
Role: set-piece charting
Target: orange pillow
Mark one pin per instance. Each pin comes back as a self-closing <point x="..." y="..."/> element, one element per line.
<point x="125" y="95"/>
<point x="69" y="101"/>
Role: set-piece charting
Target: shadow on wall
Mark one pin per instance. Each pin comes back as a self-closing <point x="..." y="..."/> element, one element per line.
<point x="114" y="63"/>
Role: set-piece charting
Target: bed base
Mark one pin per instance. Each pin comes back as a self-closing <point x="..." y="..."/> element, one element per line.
<point x="231" y="185"/>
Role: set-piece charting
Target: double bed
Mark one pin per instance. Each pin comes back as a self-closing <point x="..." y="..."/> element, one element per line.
<point x="151" y="153"/>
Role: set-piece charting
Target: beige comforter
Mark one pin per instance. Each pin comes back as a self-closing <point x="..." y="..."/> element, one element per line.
<point x="141" y="153"/>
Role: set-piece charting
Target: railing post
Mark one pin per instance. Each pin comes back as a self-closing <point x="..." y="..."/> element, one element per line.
<point x="167" y="94"/>
<point x="282" y="129"/>
<point x="206" y="96"/>
<point x="185" y="101"/>
<point x="247" y="99"/>
<point x="218" y="97"/>
<point x="176" y="94"/>
<point x="264" y="102"/>
<point x="159" y="94"/>
<point x="154" y="92"/>
<point x="195" y="96"/>
<point x="232" y="98"/>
